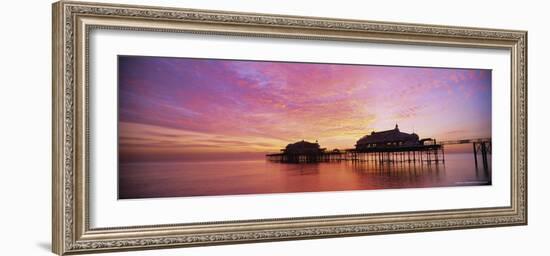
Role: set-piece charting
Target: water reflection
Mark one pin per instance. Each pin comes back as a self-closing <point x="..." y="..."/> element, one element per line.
<point x="144" y="180"/>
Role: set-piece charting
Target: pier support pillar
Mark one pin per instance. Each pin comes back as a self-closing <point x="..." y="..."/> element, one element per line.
<point x="475" y="153"/>
<point x="484" y="156"/>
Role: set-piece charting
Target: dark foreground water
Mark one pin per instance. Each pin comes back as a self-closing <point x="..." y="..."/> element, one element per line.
<point x="179" y="179"/>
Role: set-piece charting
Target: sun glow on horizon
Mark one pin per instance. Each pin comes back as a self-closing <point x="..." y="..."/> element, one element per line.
<point x="173" y="107"/>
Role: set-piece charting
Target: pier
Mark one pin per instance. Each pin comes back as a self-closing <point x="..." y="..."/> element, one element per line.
<point x="481" y="146"/>
<point x="383" y="147"/>
<point x="420" y="154"/>
<point x="424" y="153"/>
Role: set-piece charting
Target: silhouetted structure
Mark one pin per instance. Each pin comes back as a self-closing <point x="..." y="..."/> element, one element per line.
<point x="388" y="139"/>
<point x="301" y="151"/>
<point x="396" y="146"/>
<point x="303" y="147"/>
<point x="381" y="147"/>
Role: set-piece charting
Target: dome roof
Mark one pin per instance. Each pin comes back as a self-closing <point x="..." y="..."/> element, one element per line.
<point x="303" y="147"/>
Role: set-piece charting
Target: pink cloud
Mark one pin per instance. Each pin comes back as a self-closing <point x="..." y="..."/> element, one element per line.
<point x="283" y="102"/>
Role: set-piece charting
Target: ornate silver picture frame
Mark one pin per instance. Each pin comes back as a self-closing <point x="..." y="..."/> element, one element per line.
<point x="74" y="21"/>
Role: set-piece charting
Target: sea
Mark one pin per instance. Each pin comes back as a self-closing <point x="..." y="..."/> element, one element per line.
<point x="260" y="176"/>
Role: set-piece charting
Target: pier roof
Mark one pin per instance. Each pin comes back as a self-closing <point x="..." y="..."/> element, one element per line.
<point x="388" y="136"/>
<point x="302" y="147"/>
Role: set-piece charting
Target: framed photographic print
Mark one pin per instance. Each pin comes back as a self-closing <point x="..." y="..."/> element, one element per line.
<point x="179" y="127"/>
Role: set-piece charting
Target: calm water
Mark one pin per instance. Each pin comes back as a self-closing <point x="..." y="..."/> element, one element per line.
<point x="177" y="179"/>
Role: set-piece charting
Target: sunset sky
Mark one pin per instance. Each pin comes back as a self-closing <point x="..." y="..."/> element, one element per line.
<point x="188" y="109"/>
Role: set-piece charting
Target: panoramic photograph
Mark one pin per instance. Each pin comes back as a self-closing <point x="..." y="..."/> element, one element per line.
<point x="214" y="127"/>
